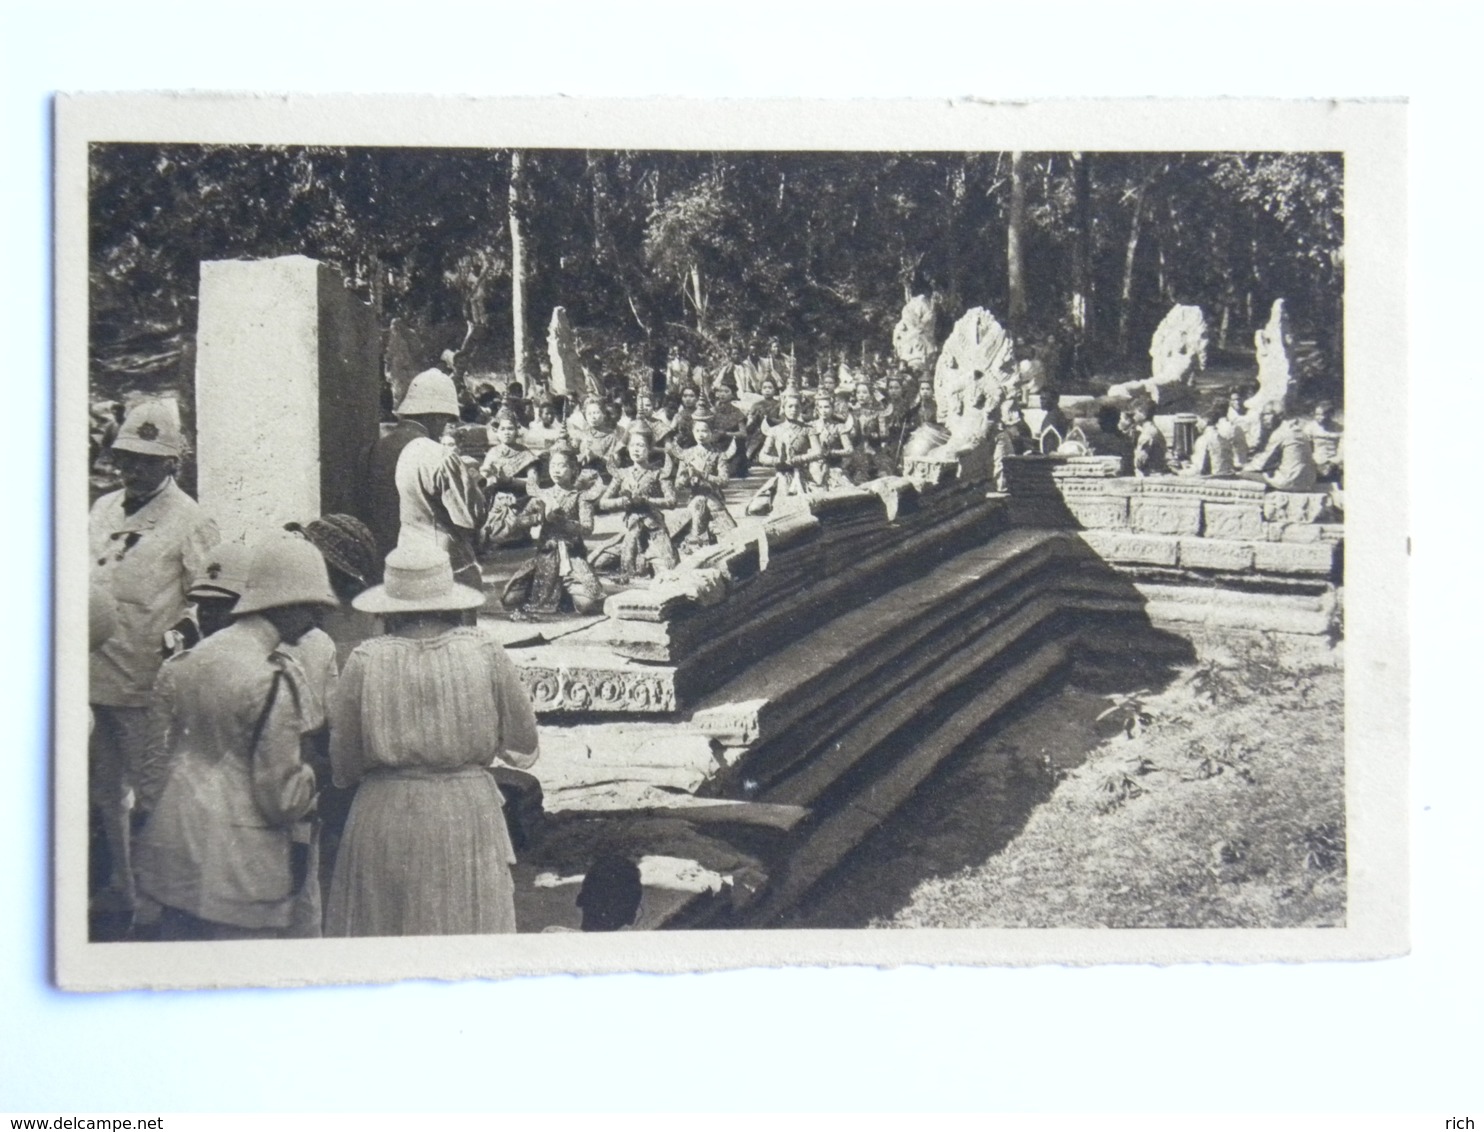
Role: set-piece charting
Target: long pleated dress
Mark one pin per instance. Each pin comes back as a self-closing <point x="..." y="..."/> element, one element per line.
<point x="417" y="722"/>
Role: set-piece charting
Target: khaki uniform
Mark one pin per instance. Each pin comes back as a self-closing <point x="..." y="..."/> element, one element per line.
<point x="145" y="562"/>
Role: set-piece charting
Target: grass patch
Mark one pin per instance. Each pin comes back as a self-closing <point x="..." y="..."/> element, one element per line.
<point x="1217" y="802"/>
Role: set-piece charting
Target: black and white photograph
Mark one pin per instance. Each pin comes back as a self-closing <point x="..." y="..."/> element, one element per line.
<point x="926" y="544"/>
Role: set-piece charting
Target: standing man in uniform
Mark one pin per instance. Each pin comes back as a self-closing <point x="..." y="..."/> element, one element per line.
<point x="420" y="489"/>
<point x="147" y="543"/>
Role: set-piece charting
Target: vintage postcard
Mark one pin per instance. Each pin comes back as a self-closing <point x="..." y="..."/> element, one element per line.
<point x="501" y="537"/>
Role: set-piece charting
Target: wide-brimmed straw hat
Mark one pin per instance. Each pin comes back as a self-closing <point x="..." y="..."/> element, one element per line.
<point x="419" y="578"/>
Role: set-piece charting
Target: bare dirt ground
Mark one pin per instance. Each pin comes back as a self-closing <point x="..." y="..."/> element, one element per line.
<point x="1214" y="801"/>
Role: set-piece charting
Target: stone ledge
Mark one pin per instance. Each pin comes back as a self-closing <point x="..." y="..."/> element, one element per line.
<point x="1215" y="554"/>
<point x="561" y="678"/>
<point x="1295" y="558"/>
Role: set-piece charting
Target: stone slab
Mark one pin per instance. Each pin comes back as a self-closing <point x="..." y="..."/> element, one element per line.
<point x="1299" y="532"/>
<point x="765" y="701"/>
<point x="1202" y="487"/>
<point x="818" y="774"/>
<point x="1294" y="506"/>
<point x="289" y="448"/>
<point x="1232" y="520"/>
<point x="1141" y="548"/>
<point x="1295" y="558"/>
<point x="571" y="678"/>
<point x="1205" y="595"/>
<point x="1122" y="486"/>
<point x="1215" y="554"/>
<point x="836" y="835"/>
<point x="1106" y="512"/>
<point x="1218" y="615"/>
<point x="1165" y="516"/>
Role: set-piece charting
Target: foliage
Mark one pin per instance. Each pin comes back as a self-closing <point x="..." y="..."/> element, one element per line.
<point x="715" y="254"/>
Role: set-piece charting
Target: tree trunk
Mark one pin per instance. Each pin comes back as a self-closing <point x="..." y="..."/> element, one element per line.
<point x="521" y="340"/>
<point x="1081" y="264"/>
<point x="1014" y="258"/>
<point x="1126" y="292"/>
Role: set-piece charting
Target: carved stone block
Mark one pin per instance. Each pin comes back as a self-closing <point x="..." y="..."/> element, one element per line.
<point x="1165" y="516"/>
<point x="592" y="682"/>
<point x="1295" y="558"/>
<point x="1233" y="520"/>
<point x="1215" y="554"/>
<point x="1189" y="487"/>
<point x="1294" y="506"/>
<point x="1119" y="546"/>
<point x="1302" y="532"/>
<point x="1101" y="512"/>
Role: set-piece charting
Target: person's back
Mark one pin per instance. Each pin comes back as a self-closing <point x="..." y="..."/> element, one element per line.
<point x="383" y="504"/>
<point x="1149" y="445"/>
<point x="1289" y="459"/>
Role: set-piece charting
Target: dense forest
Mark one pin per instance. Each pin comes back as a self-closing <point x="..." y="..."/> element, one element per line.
<point x="719" y="255"/>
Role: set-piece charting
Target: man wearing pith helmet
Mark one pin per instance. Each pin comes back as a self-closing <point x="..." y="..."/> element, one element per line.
<point x="218" y="852"/>
<point x="147" y="543"/>
<point x="419" y="489"/>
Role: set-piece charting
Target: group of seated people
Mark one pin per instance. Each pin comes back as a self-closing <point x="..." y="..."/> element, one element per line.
<point x="1269" y="443"/>
<point x="538" y="473"/>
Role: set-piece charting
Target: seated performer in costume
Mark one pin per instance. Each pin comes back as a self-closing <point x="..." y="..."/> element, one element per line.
<point x="599" y="447"/>
<point x="701" y="475"/>
<point x="763" y="416"/>
<point x="729" y="423"/>
<point x="866" y="436"/>
<point x="835" y="445"/>
<point x="558" y="577"/>
<point x="508" y="475"/>
<point x="642" y="491"/>
<point x="789" y="450"/>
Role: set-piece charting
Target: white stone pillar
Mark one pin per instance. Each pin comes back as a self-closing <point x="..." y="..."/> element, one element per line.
<point x="287" y="384"/>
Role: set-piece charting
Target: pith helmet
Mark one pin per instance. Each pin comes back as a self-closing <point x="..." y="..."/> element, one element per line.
<point x="284" y="569"/>
<point x="151" y="428"/>
<point x="225" y="572"/>
<point x="431" y="391"/>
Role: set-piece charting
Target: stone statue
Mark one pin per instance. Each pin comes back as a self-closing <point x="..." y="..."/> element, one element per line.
<point x="912" y="338"/>
<point x="975" y="372"/>
<point x="1177" y="352"/>
<point x="1274" y="358"/>
<point x="567" y="377"/>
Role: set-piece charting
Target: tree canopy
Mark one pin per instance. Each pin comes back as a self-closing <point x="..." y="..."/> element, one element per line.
<point x="716" y="254"/>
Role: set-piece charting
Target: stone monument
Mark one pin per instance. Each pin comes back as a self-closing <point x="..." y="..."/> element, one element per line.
<point x="975" y="371"/>
<point x="1275" y="369"/>
<point x="566" y="367"/>
<point x="913" y="338"/>
<point x="288" y="378"/>
<point x="1177" y="352"/>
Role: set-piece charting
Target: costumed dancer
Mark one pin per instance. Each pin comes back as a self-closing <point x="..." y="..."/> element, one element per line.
<point x="701" y="476"/>
<point x="508" y="476"/>
<point x="558" y="576"/>
<point x="642" y="491"/>
<point x="789" y="450"/>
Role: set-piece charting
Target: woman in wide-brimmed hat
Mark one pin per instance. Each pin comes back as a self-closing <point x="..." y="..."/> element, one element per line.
<point x="419" y="717"/>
